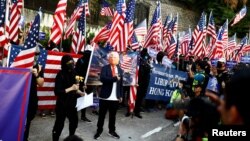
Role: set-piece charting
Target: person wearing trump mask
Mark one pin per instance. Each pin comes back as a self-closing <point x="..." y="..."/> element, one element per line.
<point x="111" y="94"/>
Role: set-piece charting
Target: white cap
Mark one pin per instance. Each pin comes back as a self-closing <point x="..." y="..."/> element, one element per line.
<point x="223" y="60"/>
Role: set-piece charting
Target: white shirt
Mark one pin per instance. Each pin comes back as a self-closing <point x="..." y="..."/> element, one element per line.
<point x="113" y="96"/>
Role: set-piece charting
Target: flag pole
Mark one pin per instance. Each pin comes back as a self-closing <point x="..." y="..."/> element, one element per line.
<point x="85" y="22"/>
<point x="24" y="35"/>
<point x="60" y="47"/>
<point x="6" y="17"/>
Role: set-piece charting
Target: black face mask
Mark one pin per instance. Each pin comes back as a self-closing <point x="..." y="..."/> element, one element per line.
<point x="70" y="66"/>
<point x="219" y="65"/>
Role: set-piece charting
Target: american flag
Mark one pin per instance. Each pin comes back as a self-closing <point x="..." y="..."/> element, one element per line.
<point x="23" y="57"/>
<point x="126" y="63"/>
<point x="116" y="37"/>
<point x="168" y="36"/>
<point x="141" y="31"/>
<point x="225" y="35"/>
<point x="141" y="28"/>
<point x="78" y="40"/>
<point x="153" y="36"/>
<point x="86" y="7"/>
<point x="7" y="19"/>
<point x="231" y="47"/>
<point x="184" y="44"/>
<point x="75" y="16"/>
<point x="106" y="10"/>
<point x="211" y="28"/>
<point x="128" y="22"/>
<point x="51" y="64"/>
<point x="134" y="42"/>
<point x="175" y="28"/>
<point x="240" y="15"/>
<point x="58" y="19"/>
<point x="165" y="27"/>
<point x="103" y="34"/>
<point x="129" y="64"/>
<point x="218" y="50"/>
<point x="240" y="49"/>
<point x="133" y="87"/>
<point x="198" y="36"/>
<point x="15" y="16"/>
<point x="172" y="47"/>
<point x="3" y="39"/>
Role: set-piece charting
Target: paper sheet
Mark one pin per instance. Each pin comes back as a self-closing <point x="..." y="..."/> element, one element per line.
<point x="84" y="101"/>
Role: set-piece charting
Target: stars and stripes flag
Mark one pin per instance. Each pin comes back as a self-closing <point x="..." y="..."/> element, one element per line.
<point x="86" y="7"/>
<point x="3" y="39"/>
<point x="175" y="28"/>
<point x="153" y="36"/>
<point x="240" y="15"/>
<point x="177" y="48"/>
<point x="116" y="38"/>
<point x="231" y="47"/>
<point x="23" y="57"/>
<point x="240" y="49"/>
<point x="74" y="17"/>
<point x="141" y="31"/>
<point x="103" y="34"/>
<point x="170" y="33"/>
<point x="218" y="49"/>
<point x="184" y="44"/>
<point x="141" y="28"/>
<point x="129" y="21"/>
<point x="51" y="64"/>
<point x="133" y="89"/>
<point x="15" y="16"/>
<point x="172" y="47"/>
<point x="211" y="30"/>
<point x="7" y="18"/>
<point x="198" y="37"/>
<point x="58" y="19"/>
<point x="165" y="26"/>
<point x="106" y="10"/>
<point x="78" y="40"/>
<point x="134" y="42"/>
<point x="130" y="65"/>
<point x="126" y="63"/>
<point x="167" y="37"/>
<point x="225" y="35"/>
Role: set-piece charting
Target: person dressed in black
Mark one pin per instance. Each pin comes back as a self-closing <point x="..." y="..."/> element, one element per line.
<point x="81" y="70"/>
<point x="37" y="80"/>
<point x="67" y="92"/>
<point x="143" y="81"/>
<point x="111" y="94"/>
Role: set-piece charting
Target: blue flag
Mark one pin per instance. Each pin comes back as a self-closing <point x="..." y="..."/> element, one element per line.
<point x="14" y="93"/>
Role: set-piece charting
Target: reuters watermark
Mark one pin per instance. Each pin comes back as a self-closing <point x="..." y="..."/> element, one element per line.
<point x="229" y="132"/>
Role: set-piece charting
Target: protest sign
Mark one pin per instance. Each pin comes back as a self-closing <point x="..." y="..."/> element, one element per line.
<point x="163" y="82"/>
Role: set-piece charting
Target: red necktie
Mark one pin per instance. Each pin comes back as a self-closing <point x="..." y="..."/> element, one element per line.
<point x="113" y="70"/>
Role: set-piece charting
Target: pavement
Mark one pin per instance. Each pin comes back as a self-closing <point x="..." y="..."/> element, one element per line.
<point x="152" y="127"/>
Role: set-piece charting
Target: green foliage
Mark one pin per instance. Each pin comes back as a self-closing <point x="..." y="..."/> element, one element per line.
<point x="91" y="35"/>
<point x="221" y="12"/>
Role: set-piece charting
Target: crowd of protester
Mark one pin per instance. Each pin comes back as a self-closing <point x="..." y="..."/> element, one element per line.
<point x="194" y="106"/>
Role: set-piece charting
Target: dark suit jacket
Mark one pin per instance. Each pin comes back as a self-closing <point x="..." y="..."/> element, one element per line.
<point x="107" y="82"/>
